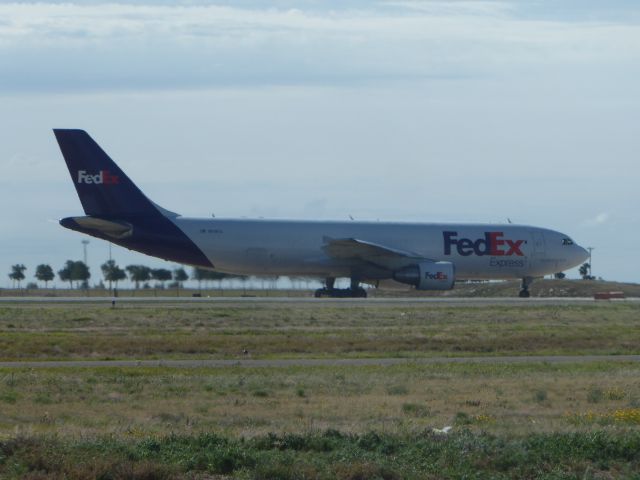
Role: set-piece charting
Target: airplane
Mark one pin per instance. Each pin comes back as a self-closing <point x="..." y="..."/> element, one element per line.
<point x="427" y="256"/>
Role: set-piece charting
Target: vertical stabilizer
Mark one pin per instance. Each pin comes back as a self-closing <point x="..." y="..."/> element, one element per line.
<point x="103" y="188"/>
<point x="116" y="209"/>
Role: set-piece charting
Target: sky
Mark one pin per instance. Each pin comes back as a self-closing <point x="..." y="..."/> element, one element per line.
<point x="478" y="111"/>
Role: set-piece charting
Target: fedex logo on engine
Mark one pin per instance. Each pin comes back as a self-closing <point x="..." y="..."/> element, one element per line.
<point x="493" y="243"/>
<point x="103" y="177"/>
<point x="436" y="276"/>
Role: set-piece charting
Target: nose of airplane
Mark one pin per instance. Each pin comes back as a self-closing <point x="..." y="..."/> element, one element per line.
<point x="581" y="255"/>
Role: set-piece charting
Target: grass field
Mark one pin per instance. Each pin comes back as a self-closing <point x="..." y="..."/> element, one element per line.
<point x="290" y="330"/>
<point x="246" y="402"/>
<point x="531" y="420"/>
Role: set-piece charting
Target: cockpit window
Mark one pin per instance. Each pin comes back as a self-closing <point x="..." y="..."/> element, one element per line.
<point x="567" y="241"/>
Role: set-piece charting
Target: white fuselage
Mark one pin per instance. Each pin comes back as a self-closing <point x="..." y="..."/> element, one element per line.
<point x="287" y="247"/>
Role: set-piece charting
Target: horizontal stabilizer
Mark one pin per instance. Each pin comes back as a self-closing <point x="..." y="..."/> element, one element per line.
<point x="112" y="229"/>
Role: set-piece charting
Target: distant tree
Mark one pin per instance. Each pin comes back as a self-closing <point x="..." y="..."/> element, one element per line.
<point x="584" y="271"/>
<point x="31" y="286"/>
<point x="206" y="275"/>
<point x="179" y="275"/>
<point x="80" y="273"/>
<point x="161" y="274"/>
<point x="559" y="275"/>
<point x="199" y="274"/>
<point x="203" y="274"/>
<point x="138" y="273"/>
<point x="112" y="272"/>
<point x="44" y="273"/>
<point x="74" y="271"/>
<point x="584" y="268"/>
<point x="65" y="272"/>
<point x="17" y="273"/>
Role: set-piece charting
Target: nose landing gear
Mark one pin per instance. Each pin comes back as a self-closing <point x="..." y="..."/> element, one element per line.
<point x="524" y="287"/>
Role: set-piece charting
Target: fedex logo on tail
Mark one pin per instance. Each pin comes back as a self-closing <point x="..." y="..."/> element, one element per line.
<point x="103" y="177"/>
<point x="493" y="243"/>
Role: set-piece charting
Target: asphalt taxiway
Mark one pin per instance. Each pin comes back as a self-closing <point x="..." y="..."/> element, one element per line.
<point x="466" y="301"/>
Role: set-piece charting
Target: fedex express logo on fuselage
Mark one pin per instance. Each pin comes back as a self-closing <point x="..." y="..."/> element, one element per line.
<point x="493" y="243"/>
<point x="103" y="177"/>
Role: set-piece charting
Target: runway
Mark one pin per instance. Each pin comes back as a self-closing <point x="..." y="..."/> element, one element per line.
<point x="462" y="301"/>
<point x="321" y="362"/>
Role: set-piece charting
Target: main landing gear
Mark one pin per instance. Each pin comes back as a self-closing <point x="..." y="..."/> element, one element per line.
<point x="524" y="287"/>
<point x="355" y="291"/>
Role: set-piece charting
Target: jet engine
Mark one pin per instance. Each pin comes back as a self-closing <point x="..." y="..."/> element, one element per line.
<point x="428" y="275"/>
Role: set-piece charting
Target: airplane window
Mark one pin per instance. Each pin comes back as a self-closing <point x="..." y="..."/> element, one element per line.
<point x="567" y="241"/>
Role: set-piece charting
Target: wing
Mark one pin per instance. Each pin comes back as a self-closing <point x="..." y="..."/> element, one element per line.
<point x="369" y="253"/>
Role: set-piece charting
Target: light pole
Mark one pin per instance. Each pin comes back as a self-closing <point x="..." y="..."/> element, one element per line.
<point x="85" y="242"/>
<point x="590" y="264"/>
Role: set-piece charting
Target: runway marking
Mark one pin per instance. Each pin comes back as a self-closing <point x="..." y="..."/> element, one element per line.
<point x="320" y="362"/>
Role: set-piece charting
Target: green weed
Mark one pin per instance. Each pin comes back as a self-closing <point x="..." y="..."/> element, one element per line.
<point x="595" y="395"/>
<point x="415" y="410"/>
<point x="9" y="396"/>
<point x="397" y="390"/>
<point x="540" y="396"/>
<point x="328" y="455"/>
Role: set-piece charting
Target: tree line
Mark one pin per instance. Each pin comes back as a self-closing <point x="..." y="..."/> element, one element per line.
<point x="78" y="272"/>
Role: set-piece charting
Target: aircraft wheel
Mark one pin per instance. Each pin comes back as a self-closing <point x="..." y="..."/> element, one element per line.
<point x="524" y="287"/>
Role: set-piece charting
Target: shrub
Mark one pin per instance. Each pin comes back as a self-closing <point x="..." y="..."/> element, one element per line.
<point x="540" y="396"/>
<point x="595" y="395"/>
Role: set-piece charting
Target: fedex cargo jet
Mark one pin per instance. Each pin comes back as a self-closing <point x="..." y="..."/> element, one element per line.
<point x="429" y="256"/>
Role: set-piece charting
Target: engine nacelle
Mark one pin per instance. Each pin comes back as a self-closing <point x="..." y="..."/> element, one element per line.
<point x="428" y="275"/>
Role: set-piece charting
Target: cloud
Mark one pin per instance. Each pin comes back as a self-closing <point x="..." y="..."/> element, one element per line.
<point x="599" y="219"/>
<point x="53" y="47"/>
<point x="435" y="7"/>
